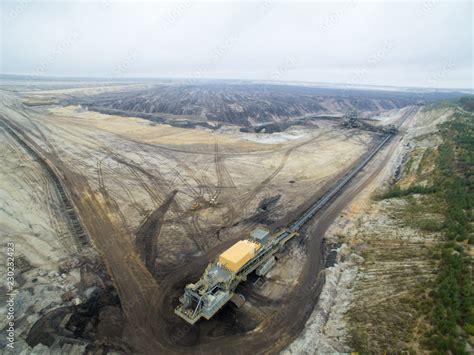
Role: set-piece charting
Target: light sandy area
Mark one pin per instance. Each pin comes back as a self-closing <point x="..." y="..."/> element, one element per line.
<point x="30" y="218"/>
<point x="142" y="130"/>
<point x="84" y="90"/>
<point x="195" y="189"/>
<point x="379" y="262"/>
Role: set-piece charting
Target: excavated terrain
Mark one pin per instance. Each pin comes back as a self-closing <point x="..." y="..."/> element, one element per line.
<point x="157" y="203"/>
<point x="243" y="104"/>
<point x="384" y="264"/>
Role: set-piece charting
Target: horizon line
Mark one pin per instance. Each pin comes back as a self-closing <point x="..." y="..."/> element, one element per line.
<point x="277" y="82"/>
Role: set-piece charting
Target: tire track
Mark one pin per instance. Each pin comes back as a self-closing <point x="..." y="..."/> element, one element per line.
<point x="192" y="230"/>
<point x="74" y="221"/>
<point x="63" y="235"/>
<point x="250" y="195"/>
<point x="185" y="167"/>
<point x="156" y="180"/>
<point x="117" y="180"/>
<point x="224" y="179"/>
<point x="110" y="200"/>
<point x="147" y="234"/>
<point x="207" y="189"/>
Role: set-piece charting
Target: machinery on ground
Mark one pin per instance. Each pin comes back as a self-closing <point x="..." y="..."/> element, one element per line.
<point x="216" y="287"/>
<point x="220" y="279"/>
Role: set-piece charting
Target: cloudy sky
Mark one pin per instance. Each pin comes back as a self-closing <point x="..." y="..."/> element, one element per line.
<point x="419" y="43"/>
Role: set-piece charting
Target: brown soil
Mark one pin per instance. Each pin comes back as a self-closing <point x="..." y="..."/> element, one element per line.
<point x="134" y="186"/>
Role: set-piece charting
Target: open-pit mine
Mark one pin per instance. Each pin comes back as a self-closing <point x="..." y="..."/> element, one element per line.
<point x="172" y="217"/>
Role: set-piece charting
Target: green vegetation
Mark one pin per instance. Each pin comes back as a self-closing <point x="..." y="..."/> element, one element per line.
<point x="429" y="225"/>
<point x="456" y="175"/>
<point x="409" y="164"/>
<point x="452" y="312"/>
<point x="426" y="159"/>
<point x="467" y="103"/>
<point x="453" y="303"/>
<point x="397" y="191"/>
<point x="441" y="104"/>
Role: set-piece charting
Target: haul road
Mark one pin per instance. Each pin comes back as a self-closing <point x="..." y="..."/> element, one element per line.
<point x="220" y="279"/>
<point x="149" y="312"/>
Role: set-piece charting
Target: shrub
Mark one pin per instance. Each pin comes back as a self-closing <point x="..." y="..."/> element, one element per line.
<point x="469" y="328"/>
<point x="429" y="225"/>
<point x="396" y="191"/>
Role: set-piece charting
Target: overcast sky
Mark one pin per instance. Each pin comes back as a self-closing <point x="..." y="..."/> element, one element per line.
<point x="419" y="43"/>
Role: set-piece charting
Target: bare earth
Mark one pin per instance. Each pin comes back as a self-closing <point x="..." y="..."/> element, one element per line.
<point x="382" y="263"/>
<point x="159" y="203"/>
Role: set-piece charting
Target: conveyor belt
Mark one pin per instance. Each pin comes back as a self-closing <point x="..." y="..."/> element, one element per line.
<point x="329" y="195"/>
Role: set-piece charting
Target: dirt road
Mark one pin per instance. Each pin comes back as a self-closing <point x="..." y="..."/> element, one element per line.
<point x="147" y="303"/>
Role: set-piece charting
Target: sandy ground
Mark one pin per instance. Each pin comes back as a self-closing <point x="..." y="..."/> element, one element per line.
<point x="144" y="131"/>
<point x="40" y="93"/>
<point x="376" y="257"/>
<point x="115" y="149"/>
<point x="182" y="194"/>
<point x="29" y="217"/>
